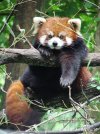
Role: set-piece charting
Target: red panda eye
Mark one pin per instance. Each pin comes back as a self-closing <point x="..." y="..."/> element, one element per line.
<point x="50" y="36"/>
<point x="61" y="37"/>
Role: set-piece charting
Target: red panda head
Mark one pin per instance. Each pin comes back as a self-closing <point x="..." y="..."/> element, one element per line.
<point x="55" y="32"/>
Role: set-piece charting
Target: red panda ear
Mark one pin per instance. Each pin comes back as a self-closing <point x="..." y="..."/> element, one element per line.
<point x="76" y="24"/>
<point x="38" y="21"/>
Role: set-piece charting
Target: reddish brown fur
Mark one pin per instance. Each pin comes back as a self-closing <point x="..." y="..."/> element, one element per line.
<point x="16" y="108"/>
<point x="57" y="25"/>
<point x="83" y="78"/>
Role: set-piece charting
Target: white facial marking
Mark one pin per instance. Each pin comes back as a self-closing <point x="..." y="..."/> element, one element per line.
<point x="69" y="41"/>
<point x="62" y="33"/>
<point x="60" y="43"/>
<point x="50" y="33"/>
<point x="42" y="39"/>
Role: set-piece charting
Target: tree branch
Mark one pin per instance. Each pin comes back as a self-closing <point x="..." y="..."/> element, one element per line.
<point x="32" y="56"/>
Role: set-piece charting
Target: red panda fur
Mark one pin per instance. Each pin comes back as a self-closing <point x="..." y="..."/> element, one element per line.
<point x="57" y="25"/>
<point x="16" y="107"/>
<point x="83" y="78"/>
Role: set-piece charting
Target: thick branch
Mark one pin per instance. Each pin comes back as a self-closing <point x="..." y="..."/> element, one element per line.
<point x="32" y="56"/>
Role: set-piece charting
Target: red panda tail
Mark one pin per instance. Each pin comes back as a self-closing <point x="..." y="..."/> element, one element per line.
<point x="83" y="78"/>
<point x="16" y="107"/>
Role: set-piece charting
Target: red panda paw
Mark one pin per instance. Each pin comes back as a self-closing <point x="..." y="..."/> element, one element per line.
<point x="45" y="52"/>
<point x="65" y="81"/>
<point x="16" y="107"/>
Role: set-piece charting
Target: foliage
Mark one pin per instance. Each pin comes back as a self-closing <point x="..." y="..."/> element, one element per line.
<point x="2" y="81"/>
<point x="69" y="121"/>
<point x="2" y="76"/>
<point x="62" y="119"/>
<point x="5" y="9"/>
<point x="95" y="81"/>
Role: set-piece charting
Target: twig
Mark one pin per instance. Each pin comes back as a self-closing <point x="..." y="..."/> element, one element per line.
<point x="74" y="104"/>
<point x="42" y="13"/>
<point x="8" y="18"/>
<point x="34" y="126"/>
<point x="8" y="75"/>
<point x="83" y="91"/>
<point x="74" y="114"/>
<point x="25" y="1"/>
<point x="78" y="131"/>
<point x="90" y="100"/>
<point x="92" y="4"/>
<point x="29" y="43"/>
<point x="22" y="97"/>
<point x="12" y="12"/>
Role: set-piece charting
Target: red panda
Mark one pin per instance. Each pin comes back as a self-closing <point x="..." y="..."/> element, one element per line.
<point x="61" y="38"/>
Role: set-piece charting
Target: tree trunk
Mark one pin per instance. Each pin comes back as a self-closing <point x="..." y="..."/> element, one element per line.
<point x="23" y="17"/>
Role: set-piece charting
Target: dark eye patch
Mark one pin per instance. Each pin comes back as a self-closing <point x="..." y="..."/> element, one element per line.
<point x="50" y="36"/>
<point x="61" y="36"/>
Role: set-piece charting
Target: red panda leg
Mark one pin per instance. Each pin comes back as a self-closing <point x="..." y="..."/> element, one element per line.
<point x="17" y="109"/>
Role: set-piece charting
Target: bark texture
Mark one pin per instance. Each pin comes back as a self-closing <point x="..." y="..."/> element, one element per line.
<point x="32" y="56"/>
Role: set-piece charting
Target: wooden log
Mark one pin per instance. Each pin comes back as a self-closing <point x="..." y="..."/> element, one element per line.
<point x="32" y="56"/>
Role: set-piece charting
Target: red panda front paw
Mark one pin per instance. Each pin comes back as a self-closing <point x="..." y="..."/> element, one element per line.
<point x="44" y="52"/>
<point x="65" y="81"/>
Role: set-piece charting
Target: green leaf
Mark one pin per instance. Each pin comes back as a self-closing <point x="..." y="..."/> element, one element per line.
<point x="93" y="85"/>
<point x="98" y="87"/>
<point x="97" y="19"/>
<point x="58" y="126"/>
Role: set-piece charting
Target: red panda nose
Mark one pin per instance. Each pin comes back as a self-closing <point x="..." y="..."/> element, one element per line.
<point x="55" y="44"/>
